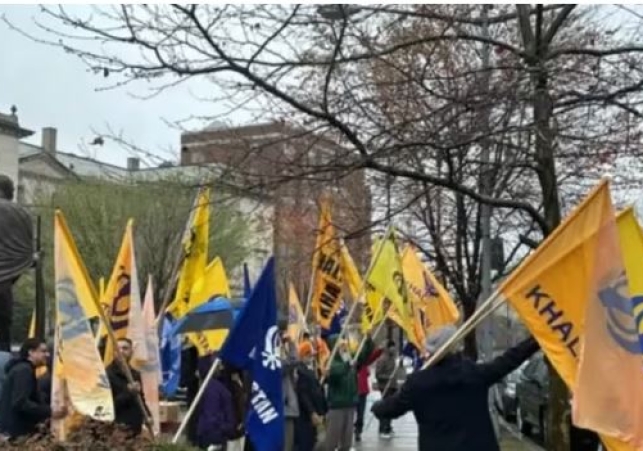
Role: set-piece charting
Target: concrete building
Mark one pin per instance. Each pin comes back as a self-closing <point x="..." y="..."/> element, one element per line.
<point x="10" y="135"/>
<point x="270" y="158"/>
<point x="39" y="169"/>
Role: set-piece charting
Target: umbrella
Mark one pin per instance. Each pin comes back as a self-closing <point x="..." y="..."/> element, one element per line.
<point x="217" y="314"/>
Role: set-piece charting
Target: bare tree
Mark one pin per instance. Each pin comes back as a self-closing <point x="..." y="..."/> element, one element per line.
<point x="559" y="102"/>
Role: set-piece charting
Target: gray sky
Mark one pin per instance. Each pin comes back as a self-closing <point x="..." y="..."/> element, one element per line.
<point x="52" y="88"/>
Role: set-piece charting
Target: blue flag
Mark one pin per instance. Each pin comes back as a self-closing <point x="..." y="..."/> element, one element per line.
<point x="336" y="323"/>
<point x="170" y="359"/>
<point x="254" y="345"/>
<point x="247" y="287"/>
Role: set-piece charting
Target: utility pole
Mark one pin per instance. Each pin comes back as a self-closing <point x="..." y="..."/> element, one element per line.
<point x="485" y="344"/>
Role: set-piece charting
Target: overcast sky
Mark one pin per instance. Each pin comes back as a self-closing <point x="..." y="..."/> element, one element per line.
<point x="52" y="88"/>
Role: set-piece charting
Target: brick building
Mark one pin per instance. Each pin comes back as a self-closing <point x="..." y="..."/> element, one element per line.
<point x="284" y="162"/>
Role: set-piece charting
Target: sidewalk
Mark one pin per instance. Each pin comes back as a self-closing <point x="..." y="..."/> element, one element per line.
<point x="405" y="438"/>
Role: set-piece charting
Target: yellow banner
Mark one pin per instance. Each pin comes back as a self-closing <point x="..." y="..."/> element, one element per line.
<point x="122" y="292"/>
<point x="327" y="265"/>
<point x="296" y="319"/>
<point x="607" y="398"/>
<point x="387" y="280"/>
<point x="550" y="289"/>
<point x="195" y="244"/>
<point x="427" y="293"/>
<point x="79" y="381"/>
<point x="214" y="282"/>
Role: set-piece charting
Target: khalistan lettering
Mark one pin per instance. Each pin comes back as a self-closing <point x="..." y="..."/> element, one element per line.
<point x="547" y="308"/>
<point x="329" y="298"/>
<point x="262" y="405"/>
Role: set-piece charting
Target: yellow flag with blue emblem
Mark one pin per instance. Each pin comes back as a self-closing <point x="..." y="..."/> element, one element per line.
<point x="551" y="288"/>
<point x="79" y="381"/>
<point x="433" y="302"/>
<point x="608" y="396"/>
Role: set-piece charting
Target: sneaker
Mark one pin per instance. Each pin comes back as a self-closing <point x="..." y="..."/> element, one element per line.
<point x="358" y="438"/>
<point x="385" y="436"/>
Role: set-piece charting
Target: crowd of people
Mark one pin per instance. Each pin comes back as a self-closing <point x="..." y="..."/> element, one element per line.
<point x="324" y="410"/>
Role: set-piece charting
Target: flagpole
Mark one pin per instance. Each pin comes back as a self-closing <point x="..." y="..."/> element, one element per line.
<point x="174" y="276"/>
<point x="124" y="366"/>
<point x="351" y="313"/>
<point x="197" y="399"/>
<point x="487" y="308"/>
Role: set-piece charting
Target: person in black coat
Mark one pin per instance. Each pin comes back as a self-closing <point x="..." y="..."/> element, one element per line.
<point x="21" y="406"/>
<point x="128" y="411"/>
<point x="450" y="399"/>
<point x="312" y="406"/>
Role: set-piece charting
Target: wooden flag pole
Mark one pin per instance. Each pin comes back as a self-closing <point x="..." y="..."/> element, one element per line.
<point x="124" y="366"/>
<point x="489" y="306"/>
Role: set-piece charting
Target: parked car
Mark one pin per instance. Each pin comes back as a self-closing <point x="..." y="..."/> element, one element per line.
<point x="504" y="394"/>
<point x="532" y="398"/>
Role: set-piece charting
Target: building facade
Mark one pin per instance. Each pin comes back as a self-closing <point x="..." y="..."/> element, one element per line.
<point x="281" y="161"/>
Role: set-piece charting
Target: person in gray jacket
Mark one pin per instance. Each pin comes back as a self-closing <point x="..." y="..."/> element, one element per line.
<point x="386" y="375"/>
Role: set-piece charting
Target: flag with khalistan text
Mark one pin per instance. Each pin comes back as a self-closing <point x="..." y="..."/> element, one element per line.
<point x="254" y="345"/>
<point x="550" y="289"/>
<point x="79" y="381"/>
<point x="151" y="368"/>
<point x="122" y="296"/>
<point x="195" y="247"/>
<point x="608" y="396"/>
<point x="328" y="278"/>
<point x="296" y="320"/>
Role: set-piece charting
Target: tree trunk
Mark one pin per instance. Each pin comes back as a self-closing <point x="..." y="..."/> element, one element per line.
<point x="558" y="413"/>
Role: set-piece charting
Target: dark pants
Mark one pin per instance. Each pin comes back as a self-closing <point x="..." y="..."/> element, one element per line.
<point x="361" y="409"/>
<point x="6" y="315"/>
<point x="386" y="425"/>
<point x="305" y="434"/>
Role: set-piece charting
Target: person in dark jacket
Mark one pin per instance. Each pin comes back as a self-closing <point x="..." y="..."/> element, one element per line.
<point x="233" y="380"/>
<point x="342" y="394"/>
<point x="128" y="411"/>
<point x="386" y="375"/>
<point x="215" y="423"/>
<point x="21" y="406"/>
<point x="312" y="404"/>
<point x="44" y="381"/>
<point x="450" y="399"/>
<point x="363" y="389"/>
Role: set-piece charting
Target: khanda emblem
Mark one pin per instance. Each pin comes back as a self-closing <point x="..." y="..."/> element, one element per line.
<point x="619" y="312"/>
<point x="429" y="289"/>
<point x="271" y="357"/>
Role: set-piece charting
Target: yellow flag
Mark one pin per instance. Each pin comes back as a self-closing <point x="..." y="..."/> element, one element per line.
<point x="195" y="244"/>
<point x="371" y="301"/>
<point x="387" y="279"/>
<point x="328" y="274"/>
<point x="427" y="293"/>
<point x="32" y="326"/>
<point x="608" y="395"/>
<point x="296" y="320"/>
<point x="550" y="289"/>
<point x="86" y="289"/>
<point x="122" y="292"/>
<point x="79" y="381"/>
<point x="214" y="282"/>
